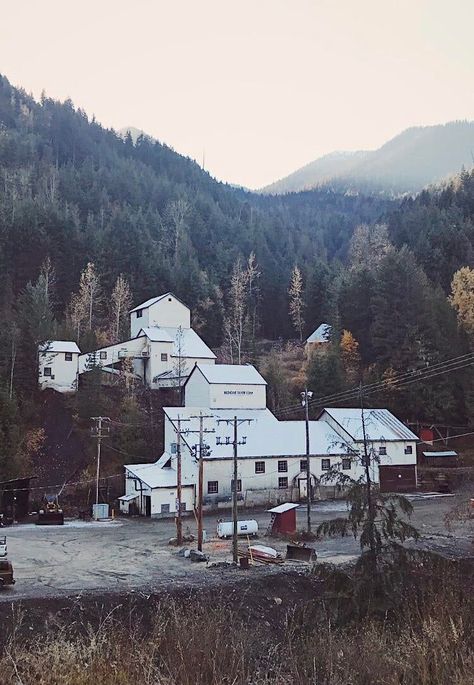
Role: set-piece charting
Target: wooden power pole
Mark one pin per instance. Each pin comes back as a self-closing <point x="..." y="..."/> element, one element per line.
<point x="236" y="421"/>
<point x="306" y="395"/>
<point x="99" y="431"/>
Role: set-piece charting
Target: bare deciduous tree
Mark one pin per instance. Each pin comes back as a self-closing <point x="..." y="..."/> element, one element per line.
<point x="234" y="323"/>
<point x="177" y="211"/>
<point x="120" y="303"/>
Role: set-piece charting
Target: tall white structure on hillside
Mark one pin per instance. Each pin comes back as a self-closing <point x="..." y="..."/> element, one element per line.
<point x="162" y="347"/>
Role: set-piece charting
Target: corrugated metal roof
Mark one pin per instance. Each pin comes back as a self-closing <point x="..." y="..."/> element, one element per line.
<point x="381" y="424"/>
<point x="448" y="453"/>
<point x="191" y="344"/>
<point x="321" y="334"/>
<point x="156" y="334"/>
<point x="59" y="346"/>
<point x="239" y="374"/>
<point x="155" y="475"/>
<point x="128" y="498"/>
<point x="281" y="508"/>
<point x="265" y="435"/>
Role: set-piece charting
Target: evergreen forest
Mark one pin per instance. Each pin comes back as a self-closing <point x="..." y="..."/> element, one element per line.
<point x="86" y="210"/>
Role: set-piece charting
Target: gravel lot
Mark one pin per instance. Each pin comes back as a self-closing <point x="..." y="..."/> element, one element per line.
<point x="133" y="555"/>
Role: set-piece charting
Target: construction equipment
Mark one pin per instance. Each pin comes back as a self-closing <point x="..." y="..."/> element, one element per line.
<point x="50" y="514"/>
<point x="6" y="569"/>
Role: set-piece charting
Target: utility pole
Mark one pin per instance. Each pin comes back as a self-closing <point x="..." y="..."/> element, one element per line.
<point x="305" y="396"/>
<point x="235" y="442"/>
<point x="204" y="451"/>
<point x="178" y="517"/>
<point x="99" y="431"/>
<point x="179" y="520"/>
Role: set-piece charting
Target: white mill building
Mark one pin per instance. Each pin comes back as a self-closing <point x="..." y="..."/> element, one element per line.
<point x="162" y="346"/>
<point x="272" y="462"/>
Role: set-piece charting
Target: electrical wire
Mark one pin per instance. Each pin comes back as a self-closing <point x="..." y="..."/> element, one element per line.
<point x="455" y="364"/>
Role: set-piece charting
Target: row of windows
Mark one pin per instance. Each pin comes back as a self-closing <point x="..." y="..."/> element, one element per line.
<point x="213" y="485"/>
<point x="383" y="450"/>
<point x="283" y="465"/>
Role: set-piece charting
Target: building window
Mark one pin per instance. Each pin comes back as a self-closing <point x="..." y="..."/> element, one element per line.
<point x="325" y="464"/>
<point x="212" y="487"/>
<point x="47" y="371"/>
<point x="164" y="357"/>
<point x="408" y="449"/>
<point x="282" y="466"/>
<point x="68" y="356"/>
<point x="174" y="448"/>
<point x="103" y="354"/>
<point x="283" y="482"/>
<point x="239" y="485"/>
<point x="183" y="506"/>
<point x="346" y="464"/>
<point x="139" y="313"/>
<point x="259" y="467"/>
<point x="165" y="508"/>
<point x="382" y="450"/>
<point x="303" y="464"/>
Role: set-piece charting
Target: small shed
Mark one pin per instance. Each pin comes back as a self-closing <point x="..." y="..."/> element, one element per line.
<point x="15" y="498"/>
<point x="444" y="458"/>
<point x="283" y="519"/>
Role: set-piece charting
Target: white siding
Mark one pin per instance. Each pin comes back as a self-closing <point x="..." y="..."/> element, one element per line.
<point x="169" y="313"/>
<point x="137" y="321"/>
<point x="197" y="391"/>
<point x="63" y="376"/>
<point x="223" y="396"/>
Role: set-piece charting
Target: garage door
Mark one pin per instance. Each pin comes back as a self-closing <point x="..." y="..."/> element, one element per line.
<point x="397" y="478"/>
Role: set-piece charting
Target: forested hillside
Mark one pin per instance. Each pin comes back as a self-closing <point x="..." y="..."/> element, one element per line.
<point x="86" y="213"/>
<point x="415" y="158"/>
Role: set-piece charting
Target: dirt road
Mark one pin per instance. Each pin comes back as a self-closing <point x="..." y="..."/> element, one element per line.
<point x="133" y="555"/>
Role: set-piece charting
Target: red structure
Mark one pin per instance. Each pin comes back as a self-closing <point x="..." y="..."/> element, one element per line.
<point x="283" y="519"/>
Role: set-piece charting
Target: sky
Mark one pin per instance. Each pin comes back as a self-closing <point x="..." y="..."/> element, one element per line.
<point x="253" y="89"/>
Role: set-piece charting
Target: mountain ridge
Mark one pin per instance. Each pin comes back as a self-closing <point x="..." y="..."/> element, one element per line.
<point x="415" y="158"/>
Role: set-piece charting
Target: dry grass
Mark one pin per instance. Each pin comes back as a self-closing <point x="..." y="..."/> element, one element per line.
<point x="427" y="640"/>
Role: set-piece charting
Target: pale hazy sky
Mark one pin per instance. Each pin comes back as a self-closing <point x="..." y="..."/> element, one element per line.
<point x="262" y="86"/>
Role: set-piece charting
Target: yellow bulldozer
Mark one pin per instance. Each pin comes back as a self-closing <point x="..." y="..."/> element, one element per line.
<point x="6" y="569"/>
<point x="50" y="514"/>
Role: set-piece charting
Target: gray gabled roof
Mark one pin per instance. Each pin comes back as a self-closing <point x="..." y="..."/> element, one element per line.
<point x="59" y="346"/>
<point x="233" y="374"/>
<point x="321" y="334"/>
<point x="154" y="300"/>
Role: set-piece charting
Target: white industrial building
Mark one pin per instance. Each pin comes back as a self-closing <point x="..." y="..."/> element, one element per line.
<point x="272" y="453"/>
<point x="163" y="349"/>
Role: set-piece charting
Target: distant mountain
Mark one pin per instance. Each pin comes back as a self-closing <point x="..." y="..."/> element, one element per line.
<point x="417" y="157"/>
<point x="135" y="133"/>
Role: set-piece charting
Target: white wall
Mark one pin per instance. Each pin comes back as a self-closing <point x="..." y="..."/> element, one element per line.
<point x="197" y="391"/>
<point x="200" y="393"/>
<point x="169" y="313"/>
<point x="112" y="353"/>
<point x="160" y="496"/>
<point x="137" y="322"/>
<point x="230" y="396"/>
<point x="155" y="364"/>
<point x="63" y="373"/>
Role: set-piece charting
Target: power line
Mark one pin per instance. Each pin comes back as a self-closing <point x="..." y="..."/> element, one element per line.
<point x="393" y="383"/>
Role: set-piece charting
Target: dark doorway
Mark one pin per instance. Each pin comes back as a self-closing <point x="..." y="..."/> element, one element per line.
<point x="397" y="478"/>
<point x="147" y="505"/>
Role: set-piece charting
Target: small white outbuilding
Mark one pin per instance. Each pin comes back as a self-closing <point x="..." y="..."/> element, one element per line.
<point x="58" y="365"/>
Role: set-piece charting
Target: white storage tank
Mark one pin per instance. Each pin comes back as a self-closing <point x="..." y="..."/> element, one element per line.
<point x="225" y="529"/>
